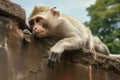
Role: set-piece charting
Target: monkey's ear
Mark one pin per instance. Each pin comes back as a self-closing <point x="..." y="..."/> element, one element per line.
<point x="54" y="11"/>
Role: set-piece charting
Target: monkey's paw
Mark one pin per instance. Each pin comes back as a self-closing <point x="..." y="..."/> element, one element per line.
<point x="27" y="35"/>
<point x="54" y="57"/>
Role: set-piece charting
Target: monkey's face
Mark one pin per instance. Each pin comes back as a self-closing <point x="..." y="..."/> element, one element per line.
<point x="45" y="22"/>
<point x="39" y="27"/>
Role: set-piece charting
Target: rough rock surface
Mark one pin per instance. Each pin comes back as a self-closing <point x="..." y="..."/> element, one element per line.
<point x="9" y="8"/>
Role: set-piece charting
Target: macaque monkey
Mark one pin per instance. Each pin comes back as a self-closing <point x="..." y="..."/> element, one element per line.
<point x="71" y="34"/>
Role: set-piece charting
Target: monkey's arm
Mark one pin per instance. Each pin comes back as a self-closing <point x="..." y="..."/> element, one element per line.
<point x="71" y="43"/>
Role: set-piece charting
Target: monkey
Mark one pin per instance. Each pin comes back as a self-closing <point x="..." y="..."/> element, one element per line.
<point x="49" y="22"/>
<point x="71" y="33"/>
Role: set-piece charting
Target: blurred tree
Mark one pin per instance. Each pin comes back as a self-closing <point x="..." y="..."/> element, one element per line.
<point x="105" y="22"/>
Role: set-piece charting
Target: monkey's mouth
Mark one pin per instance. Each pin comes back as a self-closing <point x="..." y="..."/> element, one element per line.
<point x="39" y="34"/>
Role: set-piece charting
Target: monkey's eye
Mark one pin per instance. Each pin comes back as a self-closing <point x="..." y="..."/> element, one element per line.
<point x="37" y="20"/>
<point x="31" y="23"/>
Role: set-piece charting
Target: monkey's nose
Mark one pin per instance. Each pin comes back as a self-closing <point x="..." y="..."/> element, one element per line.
<point x="34" y="28"/>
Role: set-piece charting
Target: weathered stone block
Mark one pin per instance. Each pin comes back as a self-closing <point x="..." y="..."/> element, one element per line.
<point x="9" y="8"/>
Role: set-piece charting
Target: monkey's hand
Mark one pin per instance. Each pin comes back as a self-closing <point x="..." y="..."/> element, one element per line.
<point x="27" y="35"/>
<point x="54" y="57"/>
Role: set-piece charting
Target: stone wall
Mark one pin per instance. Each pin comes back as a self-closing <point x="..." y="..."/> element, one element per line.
<point x="19" y="60"/>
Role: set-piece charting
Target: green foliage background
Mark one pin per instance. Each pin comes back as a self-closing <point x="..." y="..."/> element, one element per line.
<point x="105" y="22"/>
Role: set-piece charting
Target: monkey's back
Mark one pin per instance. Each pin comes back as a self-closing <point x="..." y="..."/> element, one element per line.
<point x="77" y="24"/>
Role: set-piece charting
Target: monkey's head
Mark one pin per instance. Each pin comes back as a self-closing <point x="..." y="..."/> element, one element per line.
<point x="43" y="21"/>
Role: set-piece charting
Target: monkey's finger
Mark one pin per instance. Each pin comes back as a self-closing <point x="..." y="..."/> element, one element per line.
<point x="26" y="31"/>
<point x="58" y="59"/>
<point x="50" y="59"/>
<point x="53" y="61"/>
<point x="51" y="55"/>
<point x="52" y="64"/>
<point x="27" y="38"/>
<point x="49" y="63"/>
